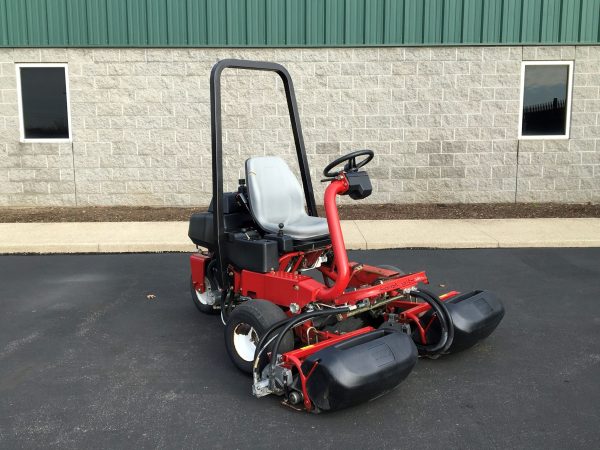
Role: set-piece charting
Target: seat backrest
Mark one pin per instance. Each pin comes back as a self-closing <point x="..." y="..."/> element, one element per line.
<point x="275" y="195"/>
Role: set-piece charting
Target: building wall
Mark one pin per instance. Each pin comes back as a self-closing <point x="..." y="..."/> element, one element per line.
<point x="443" y="122"/>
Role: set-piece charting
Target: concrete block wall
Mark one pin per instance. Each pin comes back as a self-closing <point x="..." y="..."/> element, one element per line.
<point x="443" y="122"/>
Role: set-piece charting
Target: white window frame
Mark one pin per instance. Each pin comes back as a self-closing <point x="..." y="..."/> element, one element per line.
<point x="20" y="101"/>
<point x="524" y="64"/>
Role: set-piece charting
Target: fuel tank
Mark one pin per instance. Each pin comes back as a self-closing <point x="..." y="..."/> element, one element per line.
<point x="358" y="369"/>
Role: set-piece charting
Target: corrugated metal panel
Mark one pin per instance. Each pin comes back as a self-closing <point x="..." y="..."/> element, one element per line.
<point x="373" y="21"/>
<point x="57" y="23"/>
<point x="570" y="22"/>
<point x="3" y="25"/>
<point x="177" y="23"/>
<point x="236" y="23"/>
<point x="393" y="21"/>
<point x="255" y="22"/>
<point x="491" y="26"/>
<point x="116" y="11"/>
<point x="156" y="16"/>
<point x="453" y="14"/>
<point x="433" y="21"/>
<point x="216" y="23"/>
<point x="551" y="15"/>
<point x="295" y="19"/>
<point x="472" y="19"/>
<point x="275" y="22"/>
<point x="354" y="25"/>
<point x="16" y="22"/>
<point x="531" y="20"/>
<point x="590" y="11"/>
<point x="77" y="25"/>
<point x="293" y="23"/>
<point x="37" y="23"/>
<point x="334" y="22"/>
<point x="511" y="26"/>
<point x="315" y="22"/>
<point x="97" y="22"/>
<point x="137" y="28"/>
<point x="414" y="15"/>
<point x="196" y="22"/>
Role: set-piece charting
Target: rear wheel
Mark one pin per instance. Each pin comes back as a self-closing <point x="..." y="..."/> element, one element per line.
<point x="205" y="301"/>
<point x="246" y="325"/>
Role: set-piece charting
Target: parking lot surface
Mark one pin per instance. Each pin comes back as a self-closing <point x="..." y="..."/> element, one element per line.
<point x="108" y="351"/>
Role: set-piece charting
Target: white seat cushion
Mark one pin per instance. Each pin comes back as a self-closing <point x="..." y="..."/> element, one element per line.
<point x="276" y="196"/>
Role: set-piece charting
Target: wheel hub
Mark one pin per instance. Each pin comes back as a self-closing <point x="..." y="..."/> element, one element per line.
<point x="209" y="296"/>
<point x="245" y="340"/>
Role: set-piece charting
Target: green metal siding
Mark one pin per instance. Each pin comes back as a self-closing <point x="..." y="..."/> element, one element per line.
<point x="296" y="23"/>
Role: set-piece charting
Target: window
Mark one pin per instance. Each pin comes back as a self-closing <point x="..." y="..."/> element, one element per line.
<point x="43" y="94"/>
<point x="545" y="99"/>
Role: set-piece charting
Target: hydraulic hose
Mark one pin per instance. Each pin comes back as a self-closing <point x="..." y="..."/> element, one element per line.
<point x="263" y="339"/>
<point x="209" y="272"/>
<point x="222" y="305"/>
<point x="291" y="323"/>
<point x="227" y="298"/>
<point x="448" y="317"/>
<point x="279" y="324"/>
<point x="446" y="324"/>
<point x="261" y="343"/>
<point x="269" y="332"/>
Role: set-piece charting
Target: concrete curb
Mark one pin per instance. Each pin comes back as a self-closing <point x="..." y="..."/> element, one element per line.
<point x="124" y="237"/>
<point x="481" y="233"/>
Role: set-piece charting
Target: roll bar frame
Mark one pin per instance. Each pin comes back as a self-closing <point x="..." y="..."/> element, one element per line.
<point x="217" y="142"/>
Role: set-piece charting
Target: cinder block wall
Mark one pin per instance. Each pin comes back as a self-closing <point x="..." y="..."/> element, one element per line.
<point x="443" y="123"/>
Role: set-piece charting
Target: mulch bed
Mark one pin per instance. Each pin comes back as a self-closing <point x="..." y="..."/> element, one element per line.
<point x="349" y="212"/>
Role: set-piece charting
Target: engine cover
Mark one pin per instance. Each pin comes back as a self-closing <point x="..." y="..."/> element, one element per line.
<point x="359" y="368"/>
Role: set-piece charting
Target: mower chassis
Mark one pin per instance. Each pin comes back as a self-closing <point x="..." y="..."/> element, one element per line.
<point x="407" y="318"/>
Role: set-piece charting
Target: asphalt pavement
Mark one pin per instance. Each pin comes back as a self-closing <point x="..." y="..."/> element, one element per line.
<point x="108" y="351"/>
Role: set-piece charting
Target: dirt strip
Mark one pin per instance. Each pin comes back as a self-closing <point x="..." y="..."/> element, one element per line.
<point x="357" y="211"/>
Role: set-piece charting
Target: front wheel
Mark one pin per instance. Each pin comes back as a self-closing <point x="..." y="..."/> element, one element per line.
<point x="246" y="325"/>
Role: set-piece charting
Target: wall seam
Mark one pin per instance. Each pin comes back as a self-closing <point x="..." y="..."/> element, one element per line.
<point x="74" y="172"/>
<point x="518" y="145"/>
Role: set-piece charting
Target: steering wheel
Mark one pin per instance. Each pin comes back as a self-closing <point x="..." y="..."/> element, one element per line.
<point x="351" y="164"/>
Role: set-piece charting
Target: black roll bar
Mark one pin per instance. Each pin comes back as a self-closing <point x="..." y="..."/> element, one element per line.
<point x="217" y="141"/>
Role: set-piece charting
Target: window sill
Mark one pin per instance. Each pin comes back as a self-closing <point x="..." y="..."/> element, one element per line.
<point x="46" y="141"/>
<point x="549" y="137"/>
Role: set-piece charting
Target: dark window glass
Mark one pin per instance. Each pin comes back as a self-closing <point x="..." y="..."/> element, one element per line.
<point x="545" y="100"/>
<point x="44" y="101"/>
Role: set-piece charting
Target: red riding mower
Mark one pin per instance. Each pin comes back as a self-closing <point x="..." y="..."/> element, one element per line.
<point x="323" y="346"/>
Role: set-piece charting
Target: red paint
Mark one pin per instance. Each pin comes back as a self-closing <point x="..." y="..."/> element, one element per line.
<point x="281" y="288"/>
<point x="198" y="264"/>
<point x="342" y="267"/>
<point x="302" y="353"/>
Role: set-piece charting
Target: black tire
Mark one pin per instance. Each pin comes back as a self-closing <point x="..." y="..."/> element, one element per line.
<point x="202" y="306"/>
<point x="250" y="320"/>
<point x="394" y="268"/>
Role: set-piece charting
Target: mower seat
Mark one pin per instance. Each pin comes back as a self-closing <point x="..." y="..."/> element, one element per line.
<point x="275" y="196"/>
